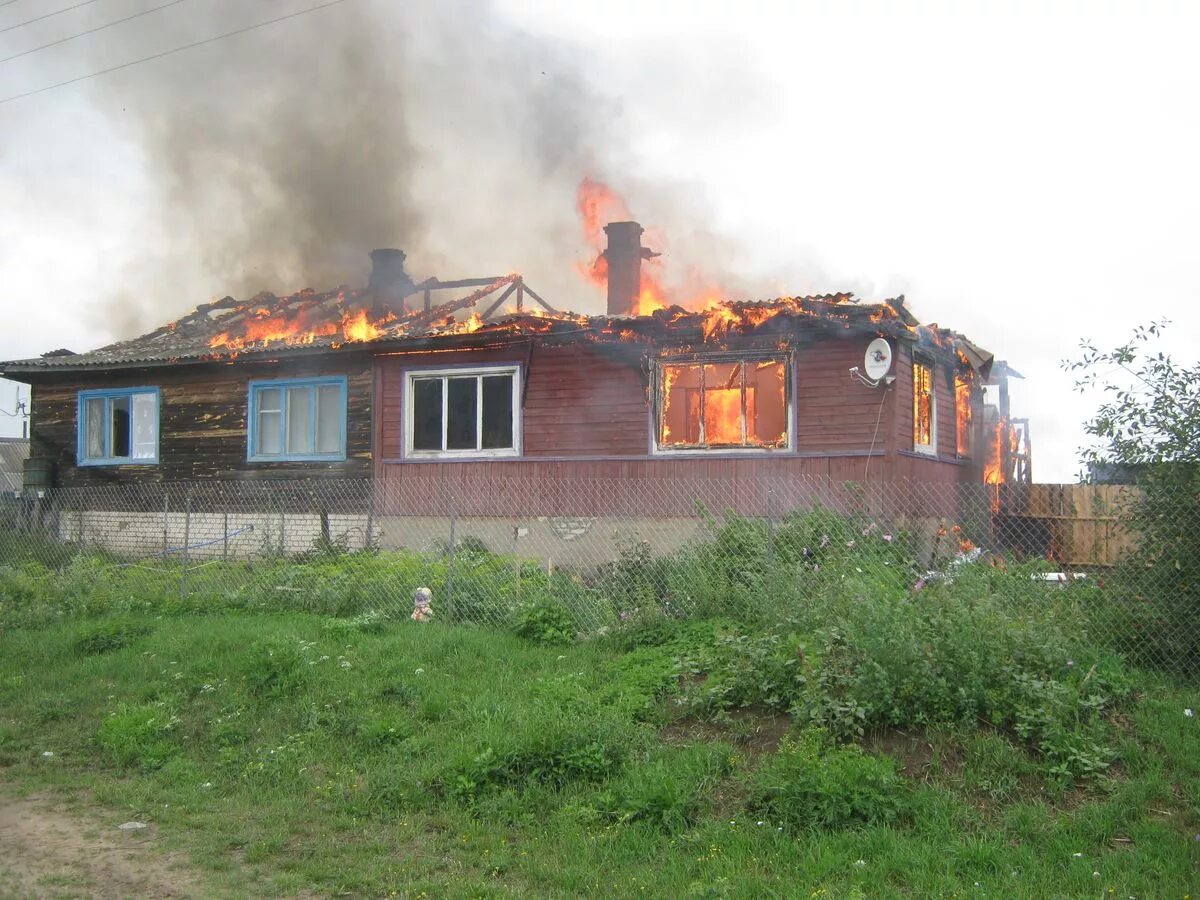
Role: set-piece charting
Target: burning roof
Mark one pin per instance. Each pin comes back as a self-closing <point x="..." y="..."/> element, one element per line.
<point x="393" y="311"/>
<point x="346" y="319"/>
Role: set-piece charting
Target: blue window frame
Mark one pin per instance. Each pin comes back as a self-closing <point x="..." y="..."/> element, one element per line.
<point x="117" y="427"/>
<point x="297" y="419"/>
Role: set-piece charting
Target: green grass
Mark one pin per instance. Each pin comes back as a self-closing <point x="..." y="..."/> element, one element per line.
<point x="291" y="753"/>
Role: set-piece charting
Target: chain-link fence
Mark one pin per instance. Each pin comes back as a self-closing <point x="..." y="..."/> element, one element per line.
<point x="606" y="549"/>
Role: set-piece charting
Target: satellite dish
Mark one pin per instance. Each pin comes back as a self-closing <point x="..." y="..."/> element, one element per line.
<point x="877" y="361"/>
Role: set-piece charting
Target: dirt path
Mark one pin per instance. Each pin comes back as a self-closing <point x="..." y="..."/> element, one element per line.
<point x="48" y="852"/>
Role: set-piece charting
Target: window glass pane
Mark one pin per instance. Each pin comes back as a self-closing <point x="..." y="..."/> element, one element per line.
<point x="93" y="428"/>
<point x="427" y="414"/>
<point x="922" y="405"/>
<point x="269" y="399"/>
<point x="680" y="425"/>
<point x="462" y="411"/>
<point x="268" y="435"/>
<point x="723" y="405"/>
<point x="766" y="404"/>
<point x="269" y="427"/>
<point x="145" y="426"/>
<point x="497" y="412"/>
<point x="120" y="432"/>
<point x="299" y="425"/>
<point x="330" y="417"/>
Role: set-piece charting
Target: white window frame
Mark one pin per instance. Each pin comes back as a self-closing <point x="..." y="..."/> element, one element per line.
<point x="411" y="376"/>
<point x="717" y="359"/>
<point x="930" y="449"/>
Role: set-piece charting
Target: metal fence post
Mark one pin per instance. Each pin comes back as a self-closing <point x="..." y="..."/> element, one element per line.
<point x="517" y="560"/>
<point x="187" y="539"/>
<point x="166" y="510"/>
<point x="770" y="531"/>
<point x="450" y="566"/>
<point x="367" y="540"/>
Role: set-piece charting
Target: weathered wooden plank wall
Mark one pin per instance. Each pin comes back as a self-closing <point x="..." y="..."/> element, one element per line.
<point x="202" y="431"/>
<point x="1083" y="524"/>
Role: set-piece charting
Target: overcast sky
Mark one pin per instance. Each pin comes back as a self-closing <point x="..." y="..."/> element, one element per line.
<point x="1025" y="173"/>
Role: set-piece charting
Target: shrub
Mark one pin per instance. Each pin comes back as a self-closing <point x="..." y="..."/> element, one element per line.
<point x="811" y="783"/>
<point x="1150" y="424"/>
<point x="546" y="622"/>
<point x="1155" y="621"/>
<point x="987" y="647"/>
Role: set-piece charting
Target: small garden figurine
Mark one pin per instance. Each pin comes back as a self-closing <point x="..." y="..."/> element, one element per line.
<point x="422" y="605"/>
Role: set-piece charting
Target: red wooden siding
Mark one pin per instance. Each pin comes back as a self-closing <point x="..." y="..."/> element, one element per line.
<point x="578" y="401"/>
<point x="649" y="488"/>
<point x="582" y="403"/>
<point x="943" y="387"/>
<point x="586" y="429"/>
<point x="835" y="412"/>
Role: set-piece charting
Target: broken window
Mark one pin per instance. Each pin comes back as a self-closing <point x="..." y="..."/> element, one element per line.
<point x="963" y="423"/>
<point x="118" y="426"/>
<point x="729" y="404"/>
<point x="462" y="412"/>
<point x="297" y="419"/>
<point x="924" y="408"/>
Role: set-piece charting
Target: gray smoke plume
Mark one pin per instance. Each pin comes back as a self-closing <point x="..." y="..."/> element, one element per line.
<point x="276" y="159"/>
<point x="280" y="157"/>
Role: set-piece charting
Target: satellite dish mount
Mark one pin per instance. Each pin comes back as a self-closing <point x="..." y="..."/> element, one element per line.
<point x="877" y="363"/>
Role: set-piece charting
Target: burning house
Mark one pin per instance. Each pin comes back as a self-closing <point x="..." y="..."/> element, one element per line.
<point x="397" y="384"/>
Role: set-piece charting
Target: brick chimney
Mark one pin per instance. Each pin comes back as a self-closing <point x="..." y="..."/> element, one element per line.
<point x="389" y="283"/>
<point x="624" y="258"/>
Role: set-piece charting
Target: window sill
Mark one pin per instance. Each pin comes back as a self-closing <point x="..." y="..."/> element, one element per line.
<point x="98" y="463"/>
<point x="722" y="451"/>
<point x="920" y="454"/>
<point x="465" y="456"/>
<point x="304" y="459"/>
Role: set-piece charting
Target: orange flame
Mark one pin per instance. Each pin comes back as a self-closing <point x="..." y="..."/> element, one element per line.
<point x="993" y="467"/>
<point x="963" y="418"/>
<point x="736" y="404"/>
<point x="359" y="327"/>
<point x="262" y="326"/>
<point x="597" y="205"/>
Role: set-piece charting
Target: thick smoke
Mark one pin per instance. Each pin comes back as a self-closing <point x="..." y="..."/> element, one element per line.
<point x="278" y="158"/>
